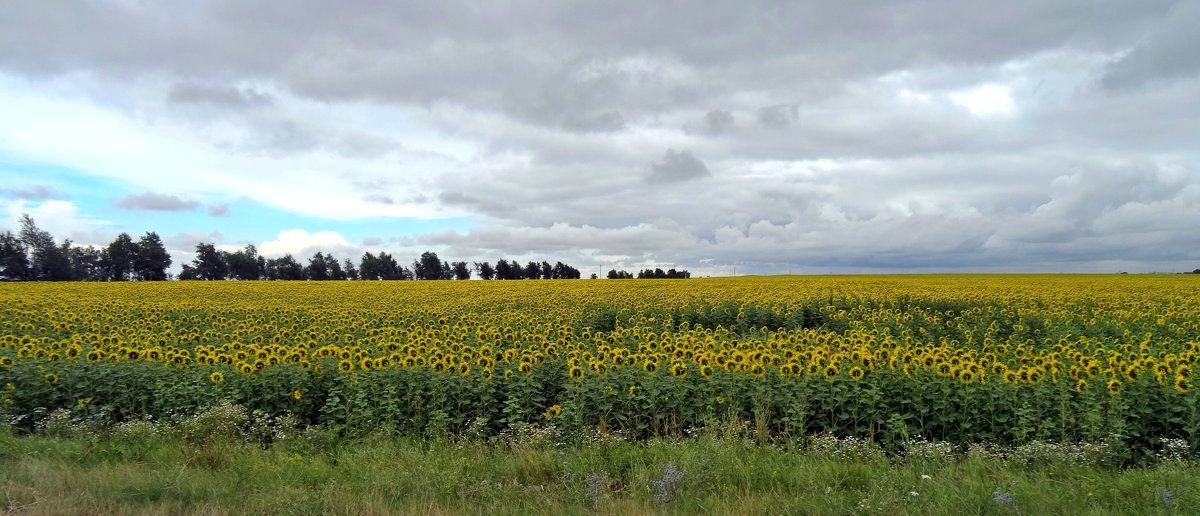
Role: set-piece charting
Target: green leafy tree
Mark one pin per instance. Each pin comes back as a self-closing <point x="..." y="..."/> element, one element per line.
<point x="209" y="263"/>
<point x="485" y="270"/>
<point x="318" y="268"/>
<point x="335" y="268"/>
<point x="284" y="268"/>
<point x="246" y="264"/>
<point x="47" y="261"/>
<point x="461" y="271"/>
<point x="14" y="263"/>
<point x="151" y="259"/>
<point x="119" y="258"/>
<point x="532" y="270"/>
<point x="428" y="266"/>
<point x="188" y="273"/>
<point x="87" y="264"/>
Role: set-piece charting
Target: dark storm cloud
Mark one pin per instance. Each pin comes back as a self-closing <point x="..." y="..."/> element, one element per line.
<point x="1051" y="135"/>
<point x="151" y="201"/>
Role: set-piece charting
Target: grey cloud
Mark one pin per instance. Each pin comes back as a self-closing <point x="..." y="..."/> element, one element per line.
<point x="485" y="205"/>
<point x="371" y="241"/>
<point x="1168" y="51"/>
<point x="224" y="96"/>
<point x="718" y="121"/>
<point x="778" y="116"/>
<point x="151" y="201"/>
<point x="218" y="210"/>
<point x="677" y="166"/>
<point x="714" y="123"/>
<point x="379" y="199"/>
<point x="31" y="192"/>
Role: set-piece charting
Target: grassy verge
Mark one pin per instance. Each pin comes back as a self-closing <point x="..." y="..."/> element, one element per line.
<point x="313" y="472"/>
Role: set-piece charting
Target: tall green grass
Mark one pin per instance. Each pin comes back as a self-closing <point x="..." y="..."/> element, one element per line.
<point x="149" y="469"/>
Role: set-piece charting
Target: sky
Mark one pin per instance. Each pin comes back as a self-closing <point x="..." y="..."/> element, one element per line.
<point x="720" y="137"/>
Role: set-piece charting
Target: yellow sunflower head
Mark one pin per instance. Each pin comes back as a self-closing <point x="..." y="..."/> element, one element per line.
<point x="856" y="373"/>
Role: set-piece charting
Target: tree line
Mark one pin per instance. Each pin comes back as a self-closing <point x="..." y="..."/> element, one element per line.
<point x="32" y="254"/>
<point x="650" y="274"/>
<point x="246" y="264"/>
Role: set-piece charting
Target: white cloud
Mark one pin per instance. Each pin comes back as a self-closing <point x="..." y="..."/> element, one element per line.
<point x="63" y="219"/>
<point x="301" y="244"/>
<point x="985" y="100"/>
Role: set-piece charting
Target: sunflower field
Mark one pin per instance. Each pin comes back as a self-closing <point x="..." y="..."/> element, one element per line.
<point x="1004" y="359"/>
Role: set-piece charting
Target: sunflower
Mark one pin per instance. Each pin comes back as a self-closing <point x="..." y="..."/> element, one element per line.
<point x="678" y="370"/>
<point x="216" y="377"/>
<point x="296" y="394"/>
<point x="345" y="366"/>
<point x="856" y="373"/>
<point x="650" y="366"/>
<point x="1181" y="384"/>
<point x="633" y="391"/>
<point x="1081" y="385"/>
<point x="575" y="372"/>
<point x="1114" y="386"/>
<point x="6" y="361"/>
<point x="552" y="412"/>
<point x="51" y="378"/>
<point x="831" y="372"/>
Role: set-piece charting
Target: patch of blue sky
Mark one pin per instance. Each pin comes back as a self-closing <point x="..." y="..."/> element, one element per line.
<point x="241" y="221"/>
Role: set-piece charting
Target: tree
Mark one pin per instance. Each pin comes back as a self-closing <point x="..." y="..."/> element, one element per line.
<point x="188" y="273"/>
<point x="502" y="271"/>
<point x="548" y="270"/>
<point x="317" y="269"/>
<point x="246" y="265"/>
<point x="151" y="259"/>
<point x="119" y="258"/>
<point x="382" y="267"/>
<point x="87" y="264"/>
<point x="485" y="270"/>
<point x="209" y="263"/>
<point x="370" y="267"/>
<point x="428" y="266"/>
<point x="461" y="271"/>
<point x="335" y="268"/>
<point x="14" y="263"/>
<point x="532" y="270"/>
<point x="615" y="274"/>
<point x="284" y="268"/>
<point x="351" y="271"/>
<point x="47" y="261"/>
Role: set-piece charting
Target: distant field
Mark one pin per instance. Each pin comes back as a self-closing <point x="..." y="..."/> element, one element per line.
<point x="1005" y="360"/>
